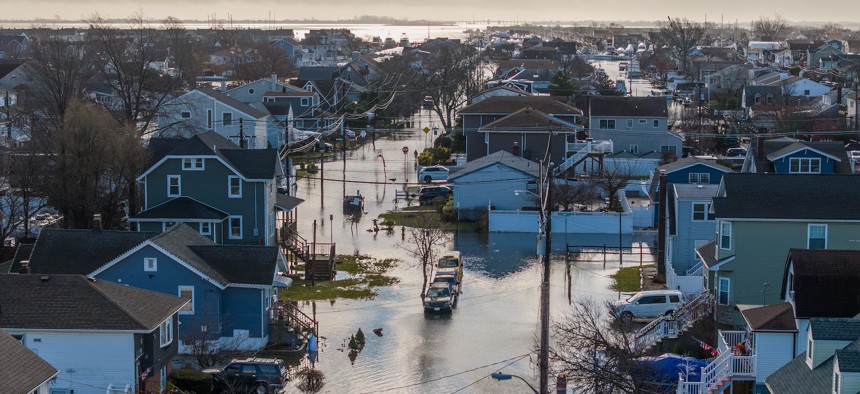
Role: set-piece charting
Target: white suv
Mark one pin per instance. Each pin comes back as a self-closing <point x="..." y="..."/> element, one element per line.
<point x="433" y="173"/>
<point x="648" y="304"/>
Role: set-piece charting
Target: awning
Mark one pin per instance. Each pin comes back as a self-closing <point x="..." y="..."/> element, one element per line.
<point x="287" y="203"/>
<point x="282" y="281"/>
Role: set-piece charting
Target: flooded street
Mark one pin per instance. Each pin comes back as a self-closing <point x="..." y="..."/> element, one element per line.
<point x="496" y="323"/>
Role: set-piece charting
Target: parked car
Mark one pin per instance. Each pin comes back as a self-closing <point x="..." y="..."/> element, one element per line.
<point x="648" y="304"/>
<point x="324" y="147"/>
<point x="439" y="298"/>
<point x="433" y="173"/>
<point x="733" y="152"/>
<point x="427" y="194"/>
<point x="253" y="375"/>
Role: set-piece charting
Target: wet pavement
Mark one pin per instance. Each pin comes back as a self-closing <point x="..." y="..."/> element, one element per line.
<point x="496" y="322"/>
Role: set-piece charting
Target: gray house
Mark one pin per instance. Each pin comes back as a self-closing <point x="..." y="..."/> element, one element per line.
<point x="228" y="194"/>
<point x="494" y="180"/>
<point x="691" y="224"/>
<point x="633" y="124"/>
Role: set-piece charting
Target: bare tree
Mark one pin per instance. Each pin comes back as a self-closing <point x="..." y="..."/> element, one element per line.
<point x="566" y="194"/>
<point x="682" y="36"/>
<point x="266" y="60"/>
<point x="598" y="353"/>
<point x="425" y="241"/>
<point x="449" y="77"/>
<point x="612" y="181"/>
<point x="60" y="70"/>
<point x="208" y="349"/>
<point x="772" y="28"/>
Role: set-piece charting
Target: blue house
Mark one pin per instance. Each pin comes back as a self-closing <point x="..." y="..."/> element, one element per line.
<point x="790" y="156"/>
<point x="691" y="224"/>
<point x="494" y="180"/>
<point x="689" y="170"/>
<point x="228" y="194"/>
<point x="231" y="287"/>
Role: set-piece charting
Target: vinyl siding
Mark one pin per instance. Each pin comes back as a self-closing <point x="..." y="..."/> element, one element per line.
<point x="822" y="350"/>
<point x="762" y="247"/>
<point x="244" y="310"/>
<point x="87" y="362"/>
<point x="682" y="176"/>
<point x="497" y="186"/>
<point x="648" y="140"/>
<point x="850" y="382"/>
<point x="167" y="279"/>
<point x="211" y="187"/>
<point x="684" y="244"/>
<point x="783" y="165"/>
<point x="773" y="350"/>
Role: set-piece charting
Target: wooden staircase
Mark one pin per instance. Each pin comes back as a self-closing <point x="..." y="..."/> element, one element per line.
<point x="318" y="257"/>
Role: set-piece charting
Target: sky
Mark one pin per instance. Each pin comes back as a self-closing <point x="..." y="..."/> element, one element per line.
<point x="459" y="10"/>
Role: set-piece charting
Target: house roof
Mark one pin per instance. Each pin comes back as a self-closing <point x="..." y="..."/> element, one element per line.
<point x="22" y="253"/>
<point x="848" y="360"/>
<point x="286" y="202"/>
<point x="504" y="87"/>
<point x="60" y="251"/>
<point x="182" y="208"/>
<point x="750" y="92"/>
<point x="75" y="302"/>
<point x="795" y="377"/>
<point x="23" y="371"/>
<point x="529" y="64"/>
<point x="318" y="73"/>
<point x="834" y="329"/>
<point x="789" y="196"/>
<point x="778" y="317"/>
<point x="527" y="119"/>
<point x="628" y="106"/>
<point x="696" y="192"/>
<point x="233" y="103"/>
<point x="502" y="157"/>
<point x="7" y="66"/>
<point x="708" y="253"/>
<point x="690" y="161"/>
<point x="289" y="94"/>
<point x="775" y="148"/>
<point x="821" y="276"/>
<point x="160" y="147"/>
<point x="224" y="264"/>
<point x="511" y="104"/>
<point x="250" y="163"/>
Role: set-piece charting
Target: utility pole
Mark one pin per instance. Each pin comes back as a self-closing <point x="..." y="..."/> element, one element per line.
<point x="9" y="120"/>
<point x="546" y="216"/>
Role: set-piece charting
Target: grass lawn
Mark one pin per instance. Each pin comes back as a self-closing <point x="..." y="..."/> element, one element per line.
<point x="627" y="280"/>
<point x="364" y="274"/>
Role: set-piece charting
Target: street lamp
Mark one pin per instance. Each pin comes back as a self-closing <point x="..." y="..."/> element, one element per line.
<point x="504" y="376"/>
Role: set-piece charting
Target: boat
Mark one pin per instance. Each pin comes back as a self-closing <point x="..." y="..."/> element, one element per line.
<point x="353" y="203"/>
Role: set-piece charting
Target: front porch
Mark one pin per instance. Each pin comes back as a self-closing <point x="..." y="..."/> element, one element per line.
<point x="734" y="368"/>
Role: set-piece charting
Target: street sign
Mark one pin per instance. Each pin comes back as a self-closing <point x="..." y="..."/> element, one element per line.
<point x="405" y="150"/>
<point x="426" y="129"/>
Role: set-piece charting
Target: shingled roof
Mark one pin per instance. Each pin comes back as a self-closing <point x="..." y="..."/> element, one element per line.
<point x="510" y="104"/>
<point x="23" y="371"/>
<point x="58" y="251"/>
<point x="789" y="196"/>
<point x="182" y="208"/>
<point x="822" y="276"/>
<point x="777" y="147"/>
<point x="527" y="119"/>
<point x="778" y="317"/>
<point x="250" y="163"/>
<point x="233" y="103"/>
<point x="628" y="106"/>
<point x="502" y="157"/>
<point x="75" y="302"/>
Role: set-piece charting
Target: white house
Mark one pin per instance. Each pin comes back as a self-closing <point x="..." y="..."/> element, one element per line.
<point x="99" y="335"/>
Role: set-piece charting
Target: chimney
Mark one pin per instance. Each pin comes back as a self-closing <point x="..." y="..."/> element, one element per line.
<point x="25" y="267"/>
<point x="97" y="222"/>
<point x="661" y="225"/>
<point x="516" y="149"/>
<point x="274" y="81"/>
<point x="223" y="86"/>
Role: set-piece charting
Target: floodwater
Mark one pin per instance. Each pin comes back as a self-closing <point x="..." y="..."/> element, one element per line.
<point x="496" y="322"/>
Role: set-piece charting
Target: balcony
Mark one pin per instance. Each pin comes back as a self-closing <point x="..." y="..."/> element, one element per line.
<point x="733" y="363"/>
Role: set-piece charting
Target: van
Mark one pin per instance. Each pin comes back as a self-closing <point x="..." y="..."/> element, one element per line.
<point x="648" y="305"/>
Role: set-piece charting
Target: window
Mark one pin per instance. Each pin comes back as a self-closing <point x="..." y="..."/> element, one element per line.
<point x="656" y="123"/>
<point x="757" y="98"/>
<point x="668" y="149"/>
<point x="723" y="296"/>
<point x="205" y="228"/>
<point x="174" y="185"/>
<point x="192" y="164"/>
<point x="642" y="121"/>
<point x="235" y="227"/>
<point x="209" y="119"/>
<point x="809" y="348"/>
<point x="165" y="332"/>
<point x="652" y="300"/>
<point x="167" y="225"/>
<point x="162" y="378"/>
<point x="817" y="236"/>
<point x="305" y="102"/>
<point x="629" y="123"/>
<point x="704" y="177"/>
<point x="634" y="149"/>
<point x="607" y="124"/>
<point x="700" y="212"/>
<point x="185" y="115"/>
<point x="725" y="235"/>
<point x="694" y="177"/>
<point x="674" y="298"/>
<point x="249" y="369"/>
<point x="150" y="264"/>
<point x="806" y="92"/>
<point x="233" y="368"/>
<point x="803" y="165"/>
<point x="791" y="285"/>
<point x="250" y="91"/>
<point x="227" y="118"/>
<point x="187" y="293"/>
<point x="234" y="186"/>
<point x="272" y="228"/>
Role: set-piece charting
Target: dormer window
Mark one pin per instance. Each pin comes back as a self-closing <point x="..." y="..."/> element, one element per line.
<point x="804" y="165"/>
